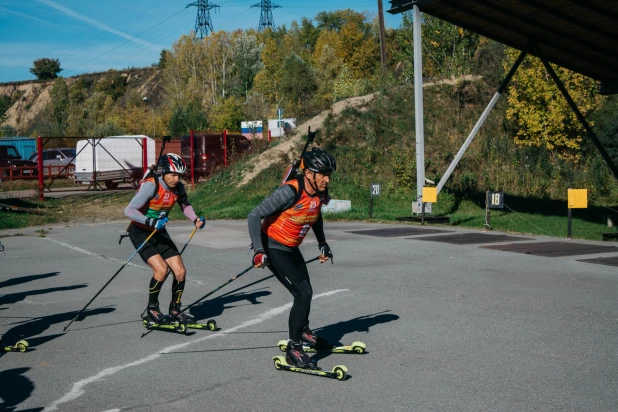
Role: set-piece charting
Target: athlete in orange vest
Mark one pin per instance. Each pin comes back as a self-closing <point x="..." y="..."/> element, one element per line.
<point x="148" y="211"/>
<point x="288" y="213"/>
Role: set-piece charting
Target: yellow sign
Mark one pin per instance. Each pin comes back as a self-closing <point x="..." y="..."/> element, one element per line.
<point x="430" y="195"/>
<point x="578" y="198"/>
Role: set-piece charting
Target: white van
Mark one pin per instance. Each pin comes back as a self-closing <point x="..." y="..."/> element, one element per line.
<point x="115" y="159"/>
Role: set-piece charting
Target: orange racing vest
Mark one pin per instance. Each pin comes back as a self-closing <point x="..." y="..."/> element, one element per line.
<point x="290" y="226"/>
<point x="163" y="201"/>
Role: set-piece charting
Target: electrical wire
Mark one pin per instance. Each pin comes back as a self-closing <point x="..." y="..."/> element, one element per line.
<point x="526" y="220"/>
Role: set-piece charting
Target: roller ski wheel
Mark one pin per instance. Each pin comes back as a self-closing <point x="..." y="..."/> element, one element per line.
<point x="209" y="325"/>
<point x="170" y="326"/>
<point x="339" y="372"/>
<point x="355" y="348"/>
<point x="21" y="346"/>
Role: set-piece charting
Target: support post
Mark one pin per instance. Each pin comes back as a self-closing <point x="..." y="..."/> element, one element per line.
<point x="487" y="216"/>
<point x="569" y="223"/>
<point x="382" y="38"/>
<point x="481" y="120"/>
<point x="418" y="103"/>
<point x="370" y="207"/>
<point x="580" y="116"/>
<point x="39" y="149"/>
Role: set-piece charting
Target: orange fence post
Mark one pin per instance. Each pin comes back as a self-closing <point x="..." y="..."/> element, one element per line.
<point x="270" y="139"/>
<point x="192" y="160"/>
<point x="39" y="148"/>
<point x="225" y="147"/>
<point x="144" y="155"/>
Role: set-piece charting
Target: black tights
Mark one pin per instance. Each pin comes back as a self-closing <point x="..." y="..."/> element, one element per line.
<point x="291" y="270"/>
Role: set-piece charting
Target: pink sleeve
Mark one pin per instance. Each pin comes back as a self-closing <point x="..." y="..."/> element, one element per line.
<point x="189" y="212"/>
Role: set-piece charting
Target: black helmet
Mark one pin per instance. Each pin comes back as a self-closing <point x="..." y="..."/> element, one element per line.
<point x="172" y="163"/>
<point x="318" y="160"/>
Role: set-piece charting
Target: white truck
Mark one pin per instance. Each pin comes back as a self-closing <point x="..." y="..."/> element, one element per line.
<point x="113" y="160"/>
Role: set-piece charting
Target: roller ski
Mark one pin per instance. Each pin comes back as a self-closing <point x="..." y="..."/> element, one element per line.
<point x="155" y="319"/>
<point x="355" y="348"/>
<point x="177" y="317"/>
<point x="312" y="343"/>
<point x="21" y="346"/>
<point x="295" y="360"/>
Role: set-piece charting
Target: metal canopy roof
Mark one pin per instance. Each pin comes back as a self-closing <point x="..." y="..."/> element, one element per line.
<point x="579" y="35"/>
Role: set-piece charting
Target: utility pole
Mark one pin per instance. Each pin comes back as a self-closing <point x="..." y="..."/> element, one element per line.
<point x="203" y="23"/>
<point x="266" y="15"/>
<point x="382" y="39"/>
<point x="145" y="99"/>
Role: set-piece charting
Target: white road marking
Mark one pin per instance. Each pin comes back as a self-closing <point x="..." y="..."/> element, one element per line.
<point x="78" y="387"/>
<point x="87" y="252"/>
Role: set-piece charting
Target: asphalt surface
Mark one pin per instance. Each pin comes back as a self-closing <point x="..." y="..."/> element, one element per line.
<point x="447" y="327"/>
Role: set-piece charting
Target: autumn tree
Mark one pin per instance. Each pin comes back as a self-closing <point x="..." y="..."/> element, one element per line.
<point x="268" y="79"/>
<point x="447" y="49"/>
<point x="227" y="114"/>
<point x="297" y="85"/>
<point x="246" y="62"/>
<point x="358" y="50"/>
<point x="186" y="118"/>
<point x="540" y="112"/>
<point x="46" y="68"/>
<point x="187" y="74"/>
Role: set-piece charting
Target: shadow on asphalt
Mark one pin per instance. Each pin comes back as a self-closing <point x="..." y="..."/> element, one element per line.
<point x="216" y="306"/>
<point x="26" y="330"/>
<point x="15" y="389"/>
<point x="335" y="333"/>
<point x="25" y="279"/>
<point x="19" y="296"/>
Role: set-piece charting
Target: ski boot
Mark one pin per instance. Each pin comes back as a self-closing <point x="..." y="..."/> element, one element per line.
<point x="178" y="316"/>
<point x="314" y="341"/>
<point x="296" y="360"/>
<point x="295" y="356"/>
<point x="155" y="319"/>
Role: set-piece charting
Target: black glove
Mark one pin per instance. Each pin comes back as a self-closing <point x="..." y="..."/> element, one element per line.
<point x="325" y="250"/>
<point x="260" y="258"/>
<point x="158" y="224"/>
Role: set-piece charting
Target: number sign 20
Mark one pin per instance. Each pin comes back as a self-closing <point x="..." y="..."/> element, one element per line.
<point x="376" y="189"/>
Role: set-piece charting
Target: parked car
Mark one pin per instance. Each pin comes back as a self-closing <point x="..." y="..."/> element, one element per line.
<point x="57" y="158"/>
<point x="11" y="159"/>
<point x="208" y="151"/>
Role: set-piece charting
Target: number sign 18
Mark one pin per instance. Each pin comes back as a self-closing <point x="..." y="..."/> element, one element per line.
<point x="496" y="200"/>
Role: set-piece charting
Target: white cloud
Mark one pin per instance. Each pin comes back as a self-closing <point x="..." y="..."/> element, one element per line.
<point x="95" y="23"/>
<point x="22" y="15"/>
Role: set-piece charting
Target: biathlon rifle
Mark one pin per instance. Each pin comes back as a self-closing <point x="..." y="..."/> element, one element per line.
<point x="291" y="170"/>
<point x="150" y="172"/>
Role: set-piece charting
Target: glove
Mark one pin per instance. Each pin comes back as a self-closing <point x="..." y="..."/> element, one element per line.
<point x="325" y="251"/>
<point x="200" y="219"/>
<point x="260" y="259"/>
<point x="158" y="224"/>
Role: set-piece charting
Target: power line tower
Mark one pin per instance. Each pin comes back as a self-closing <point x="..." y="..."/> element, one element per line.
<point x="266" y="16"/>
<point x="203" y="22"/>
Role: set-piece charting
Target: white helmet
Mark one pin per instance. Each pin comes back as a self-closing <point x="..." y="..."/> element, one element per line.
<point x="172" y="163"/>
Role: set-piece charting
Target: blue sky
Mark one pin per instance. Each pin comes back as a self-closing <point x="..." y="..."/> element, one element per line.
<point x="89" y="36"/>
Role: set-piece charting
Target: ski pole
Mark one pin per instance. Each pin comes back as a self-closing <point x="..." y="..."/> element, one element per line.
<point x="210" y="293"/>
<point x="230" y="281"/>
<point x="109" y="281"/>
